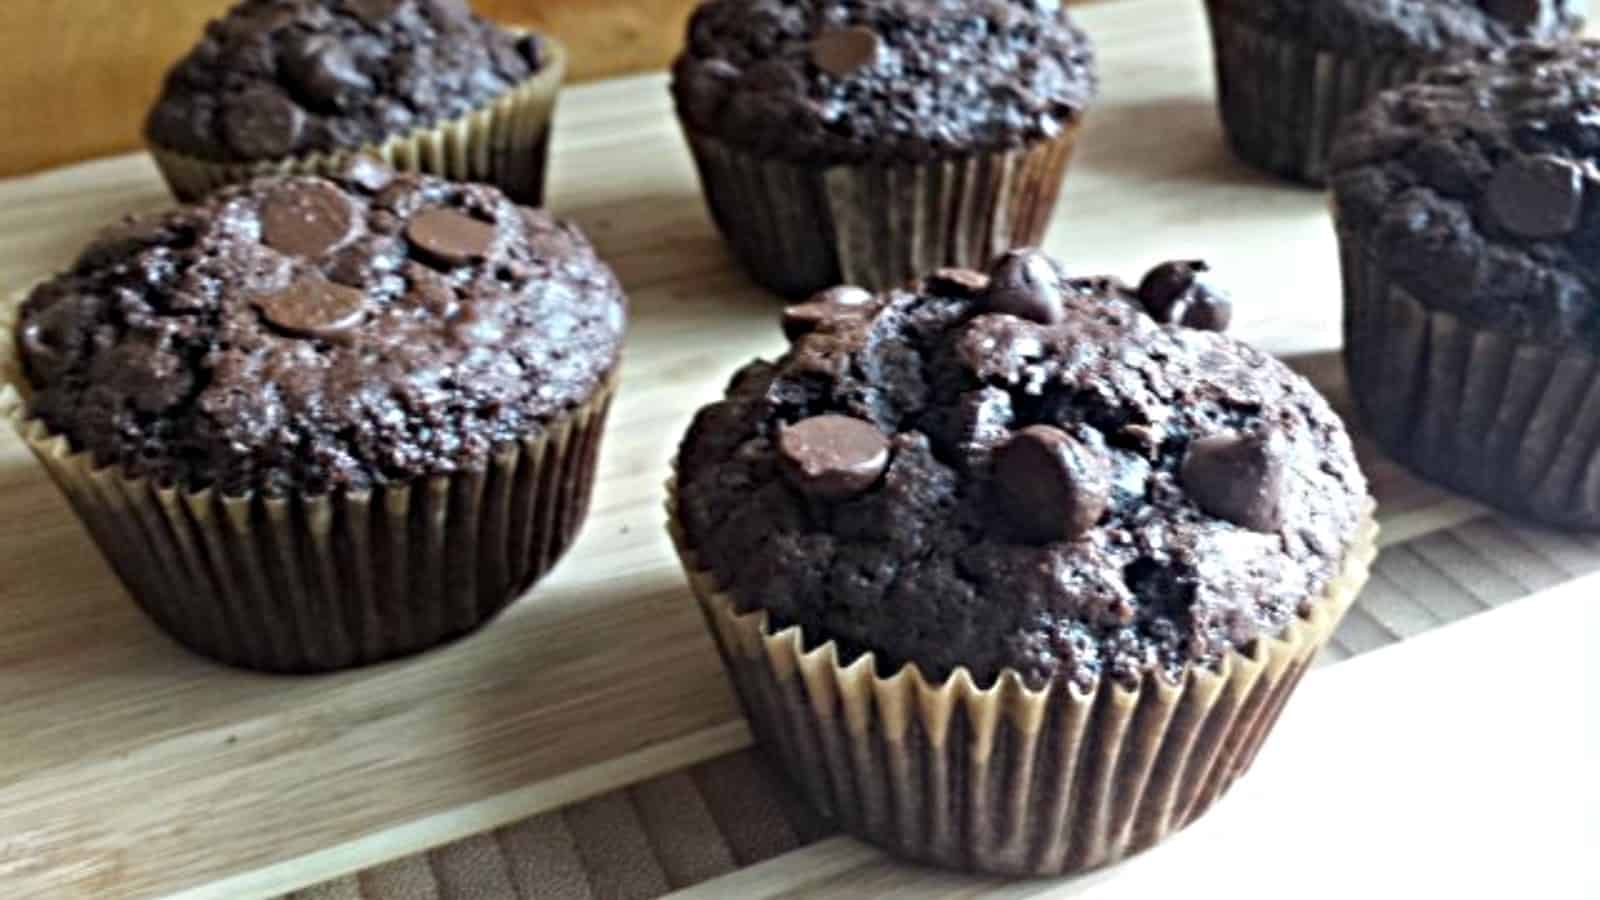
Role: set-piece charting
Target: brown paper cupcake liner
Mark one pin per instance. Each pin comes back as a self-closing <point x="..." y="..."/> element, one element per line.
<point x="1282" y="100"/>
<point x="506" y="143"/>
<point x="798" y="229"/>
<point x="314" y="584"/>
<point x="1006" y="779"/>
<point x="1511" y="422"/>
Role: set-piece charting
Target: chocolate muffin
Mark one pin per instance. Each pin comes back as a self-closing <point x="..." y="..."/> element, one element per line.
<point x="1468" y="209"/>
<point x="870" y="141"/>
<point x="317" y="422"/>
<point x="966" y="533"/>
<point x="1289" y="70"/>
<point x="280" y="86"/>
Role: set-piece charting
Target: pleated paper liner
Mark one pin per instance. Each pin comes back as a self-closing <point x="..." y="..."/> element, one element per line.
<point x="798" y="229"/>
<point x="1282" y="100"/>
<point x="505" y="143"/>
<point x="314" y="584"/>
<point x="1005" y="779"/>
<point x="1511" y="422"/>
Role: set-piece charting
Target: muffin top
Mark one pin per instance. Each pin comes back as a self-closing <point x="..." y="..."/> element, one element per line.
<point x="276" y="78"/>
<point x="309" y="335"/>
<point x="1022" y="470"/>
<point x="1432" y="27"/>
<point x="839" y="81"/>
<point x="1476" y="190"/>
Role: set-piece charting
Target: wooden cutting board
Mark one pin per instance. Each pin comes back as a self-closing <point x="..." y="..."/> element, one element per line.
<point x="131" y="768"/>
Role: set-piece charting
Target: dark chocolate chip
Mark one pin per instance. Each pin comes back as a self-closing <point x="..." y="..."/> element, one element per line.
<point x="843" y="303"/>
<point x="965" y="283"/>
<point x="1515" y="12"/>
<point x="1537" y="196"/>
<point x="451" y="237"/>
<point x="312" y="306"/>
<point x="1055" y="486"/>
<point x="1182" y="292"/>
<point x="324" y="71"/>
<point x="833" y="457"/>
<point x="366" y="172"/>
<point x="307" y="218"/>
<point x="1239" y="477"/>
<point x="262" y="124"/>
<point x="1026" y="284"/>
<point x="841" y="52"/>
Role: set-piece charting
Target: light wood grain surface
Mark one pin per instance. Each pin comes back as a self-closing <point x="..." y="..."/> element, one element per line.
<point x="133" y="769"/>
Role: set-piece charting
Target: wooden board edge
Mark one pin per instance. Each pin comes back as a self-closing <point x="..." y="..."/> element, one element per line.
<point x="452" y="825"/>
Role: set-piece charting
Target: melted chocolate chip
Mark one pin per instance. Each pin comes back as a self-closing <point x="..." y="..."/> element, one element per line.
<point x="845" y="302"/>
<point x="307" y="218"/>
<point x="321" y="68"/>
<point x="262" y="124"/>
<point x="1055" y="487"/>
<point x="833" y="457"/>
<point x="1537" y="196"/>
<point x="841" y="52"/>
<point x="312" y="306"/>
<point x="1182" y="292"/>
<point x="1239" y="478"/>
<point x="1515" y="12"/>
<point x="451" y="237"/>
<point x="1026" y="284"/>
<point x="965" y="283"/>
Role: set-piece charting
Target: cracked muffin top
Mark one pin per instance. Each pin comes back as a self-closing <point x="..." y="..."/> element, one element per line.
<point x="306" y="334"/>
<point x="1426" y="27"/>
<point x="1023" y="470"/>
<point x="277" y="78"/>
<point x="1477" y="190"/>
<point x="839" y="81"/>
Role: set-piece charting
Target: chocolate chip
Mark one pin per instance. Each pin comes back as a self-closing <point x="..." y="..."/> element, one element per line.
<point x="451" y="237"/>
<point x="1515" y="12"/>
<point x="833" y="457"/>
<point x="307" y="218"/>
<point x="1537" y="196"/>
<point x="366" y="172"/>
<point x="965" y="283"/>
<point x="1239" y="477"/>
<point x="846" y="303"/>
<point x="324" y="71"/>
<point x="841" y="52"/>
<point x="1026" y="284"/>
<point x="372" y="12"/>
<point x="312" y="306"/>
<point x="1181" y="291"/>
<point x="1055" y="486"/>
<point x="262" y="124"/>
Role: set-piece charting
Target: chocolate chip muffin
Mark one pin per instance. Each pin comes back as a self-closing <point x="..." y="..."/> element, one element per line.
<point x="869" y="141"/>
<point x="300" y="85"/>
<point x="318" y="422"/>
<point x="967" y="530"/>
<point x="1289" y="70"/>
<point x="1468" y="209"/>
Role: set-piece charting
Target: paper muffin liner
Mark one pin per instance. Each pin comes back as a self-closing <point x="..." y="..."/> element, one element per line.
<point x="316" y="583"/>
<point x="1282" y="99"/>
<point x="1006" y="779"/>
<point x="798" y="229"/>
<point x="505" y="143"/>
<point x="1511" y="422"/>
